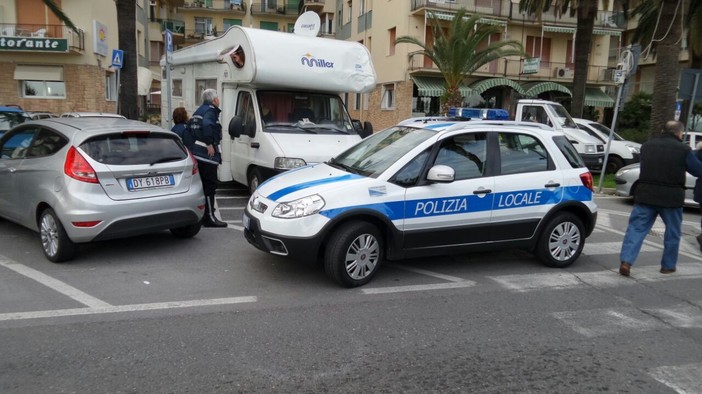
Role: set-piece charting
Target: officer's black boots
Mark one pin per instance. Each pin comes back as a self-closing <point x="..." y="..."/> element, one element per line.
<point x="210" y="220"/>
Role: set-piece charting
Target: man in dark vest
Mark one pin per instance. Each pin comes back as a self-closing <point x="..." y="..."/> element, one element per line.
<point x="203" y="136"/>
<point x="660" y="192"/>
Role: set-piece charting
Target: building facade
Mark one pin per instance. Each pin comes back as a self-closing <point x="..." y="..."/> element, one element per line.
<point x="47" y="66"/>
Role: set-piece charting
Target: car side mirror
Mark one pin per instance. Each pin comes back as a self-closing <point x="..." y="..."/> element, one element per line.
<point x="367" y="129"/>
<point x="441" y="174"/>
<point x="235" y="127"/>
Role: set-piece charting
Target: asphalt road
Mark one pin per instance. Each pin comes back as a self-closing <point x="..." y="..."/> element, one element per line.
<point x="155" y="314"/>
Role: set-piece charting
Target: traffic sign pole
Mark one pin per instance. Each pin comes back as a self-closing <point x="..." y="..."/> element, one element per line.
<point x="169" y="59"/>
<point x="117" y="62"/>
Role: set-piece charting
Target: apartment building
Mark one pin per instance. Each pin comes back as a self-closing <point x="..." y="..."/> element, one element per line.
<point x="409" y="84"/>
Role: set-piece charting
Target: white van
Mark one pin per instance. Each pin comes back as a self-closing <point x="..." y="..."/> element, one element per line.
<point x="279" y="96"/>
<point x="554" y="115"/>
<point x="621" y="152"/>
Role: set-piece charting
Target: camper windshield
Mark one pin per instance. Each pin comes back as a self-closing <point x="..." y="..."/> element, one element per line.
<point x="563" y="117"/>
<point x="303" y="112"/>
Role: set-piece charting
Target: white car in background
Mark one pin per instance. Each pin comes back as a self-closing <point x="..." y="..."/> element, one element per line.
<point x="621" y="151"/>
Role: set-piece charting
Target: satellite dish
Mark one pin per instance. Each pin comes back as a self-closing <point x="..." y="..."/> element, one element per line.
<point x="308" y="24"/>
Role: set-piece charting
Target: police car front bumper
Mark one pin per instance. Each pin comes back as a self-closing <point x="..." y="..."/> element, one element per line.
<point x="298" y="248"/>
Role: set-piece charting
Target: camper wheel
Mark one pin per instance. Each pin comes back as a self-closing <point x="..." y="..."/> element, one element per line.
<point x="255" y="179"/>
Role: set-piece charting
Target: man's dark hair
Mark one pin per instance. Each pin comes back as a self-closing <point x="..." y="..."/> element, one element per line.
<point x="673" y="127"/>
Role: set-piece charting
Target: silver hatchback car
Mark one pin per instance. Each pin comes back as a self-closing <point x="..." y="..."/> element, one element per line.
<point x="76" y="180"/>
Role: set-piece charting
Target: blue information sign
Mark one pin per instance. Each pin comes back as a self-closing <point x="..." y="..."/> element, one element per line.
<point x="117" y="58"/>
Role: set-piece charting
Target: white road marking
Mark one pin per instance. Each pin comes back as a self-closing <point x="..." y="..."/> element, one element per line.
<point x="400" y="289"/>
<point x="124" y="308"/>
<point x="684" y="379"/>
<point x="232" y="197"/>
<point x="682" y="315"/>
<point x="599" y="248"/>
<point x="553" y="280"/>
<point x="598" y="279"/>
<point x="600" y="322"/>
<point x="231" y="209"/>
<point x="54" y="284"/>
<point x="626" y="214"/>
<point x="427" y="273"/>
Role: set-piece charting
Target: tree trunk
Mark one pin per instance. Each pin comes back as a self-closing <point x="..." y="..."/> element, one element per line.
<point x="583" y="42"/>
<point x="665" y="83"/>
<point x="126" y="20"/>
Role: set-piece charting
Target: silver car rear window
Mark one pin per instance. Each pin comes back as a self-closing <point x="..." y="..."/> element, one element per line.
<point x="131" y="148"/>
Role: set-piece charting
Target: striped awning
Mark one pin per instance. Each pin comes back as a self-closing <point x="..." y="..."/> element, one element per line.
<point x="448" y="16"/>
<point x="558" y="29"/>
<point x="603" y="32"/>
<point x="533" y="89"/>
<point x="595" y="97"/>
<point x="485" y="84"/>
<point x="434" y="87"/>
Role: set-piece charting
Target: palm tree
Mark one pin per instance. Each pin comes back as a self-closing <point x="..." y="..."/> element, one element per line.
<point x="128" y="95"/>
<point x="126" y="20"/>
<point x="460" y="50"/>
<point x="659" y="31"/>
<point x="586" y="10"/>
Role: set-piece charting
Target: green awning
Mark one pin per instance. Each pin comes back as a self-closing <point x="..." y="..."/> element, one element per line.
<point x="559" y="29"/>
<point x="595" y="97"/>
<point x="603" y="32"/>
<point x="449" y="16"/>
<point x="434" y="87"/>
<point x="485" y="84"/>
<point x="533" y="89"/>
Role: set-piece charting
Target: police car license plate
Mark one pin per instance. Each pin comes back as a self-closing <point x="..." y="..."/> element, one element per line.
<point x="246" y="221"/>
<point x="149" y="182"/>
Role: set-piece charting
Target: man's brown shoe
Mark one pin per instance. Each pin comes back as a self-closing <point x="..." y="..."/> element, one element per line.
<point x="667" y="270"/>
<point x="624" y="269"/>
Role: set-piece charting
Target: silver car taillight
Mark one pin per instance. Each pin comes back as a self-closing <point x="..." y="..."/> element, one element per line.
<point x="78" y="168"/>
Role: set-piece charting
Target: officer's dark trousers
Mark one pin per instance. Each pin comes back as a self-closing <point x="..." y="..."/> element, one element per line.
<point x="208" y="174"/>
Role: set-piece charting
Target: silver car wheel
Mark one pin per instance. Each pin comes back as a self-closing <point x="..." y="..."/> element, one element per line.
<point x="564" y="241"/>
<point x="362" y="256"/>
<point x="49" y="235"/>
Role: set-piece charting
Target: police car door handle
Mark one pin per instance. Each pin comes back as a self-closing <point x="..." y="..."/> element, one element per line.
<point x="255" y="145"/>
<point x="482" y="191"/>
<point x="552" y="184"/>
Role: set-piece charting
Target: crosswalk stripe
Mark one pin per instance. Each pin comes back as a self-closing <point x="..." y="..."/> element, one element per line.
<point x="681" y="315"/>
<point x="612" y="321"/>
<point x="684" y="379"/>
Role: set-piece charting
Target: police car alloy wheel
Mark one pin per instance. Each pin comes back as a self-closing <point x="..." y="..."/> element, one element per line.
<point x="561" y="241"/>
<point x="54" y="240"/>
<point x="354" y="253"/>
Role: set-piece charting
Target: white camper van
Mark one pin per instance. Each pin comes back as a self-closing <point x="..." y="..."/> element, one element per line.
<point x="279" y="96"/>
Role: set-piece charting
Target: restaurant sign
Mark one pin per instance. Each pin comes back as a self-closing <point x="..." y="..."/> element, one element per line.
<point x="33" y="44"/>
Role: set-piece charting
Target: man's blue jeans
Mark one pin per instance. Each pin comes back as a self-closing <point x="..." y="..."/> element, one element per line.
<point x="640" y="222"/>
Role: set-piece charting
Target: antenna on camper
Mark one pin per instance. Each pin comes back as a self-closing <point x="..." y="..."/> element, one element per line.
<point x="308" y="24"/>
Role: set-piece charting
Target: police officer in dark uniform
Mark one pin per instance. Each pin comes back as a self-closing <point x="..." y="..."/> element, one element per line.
<point x="202" y="137"/>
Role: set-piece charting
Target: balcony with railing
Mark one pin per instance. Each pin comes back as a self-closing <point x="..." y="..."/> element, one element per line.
<point x="314" y="5"/>
<point x="561" y="72"/>
<point x="275" y="7"/>
<point x="40" y="38"/>
<point x="235" y="6"/>
<point x="509" y="10"/>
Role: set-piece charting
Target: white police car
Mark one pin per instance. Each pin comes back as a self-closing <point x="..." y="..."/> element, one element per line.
<point x="429" y="187"/>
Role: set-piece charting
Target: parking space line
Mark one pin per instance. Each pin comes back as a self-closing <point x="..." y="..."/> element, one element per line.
<point x="400" y="289"/>
<point x="427" y="273"/>
<point x="54" y="284"/>
<point x="125" y="308"/>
